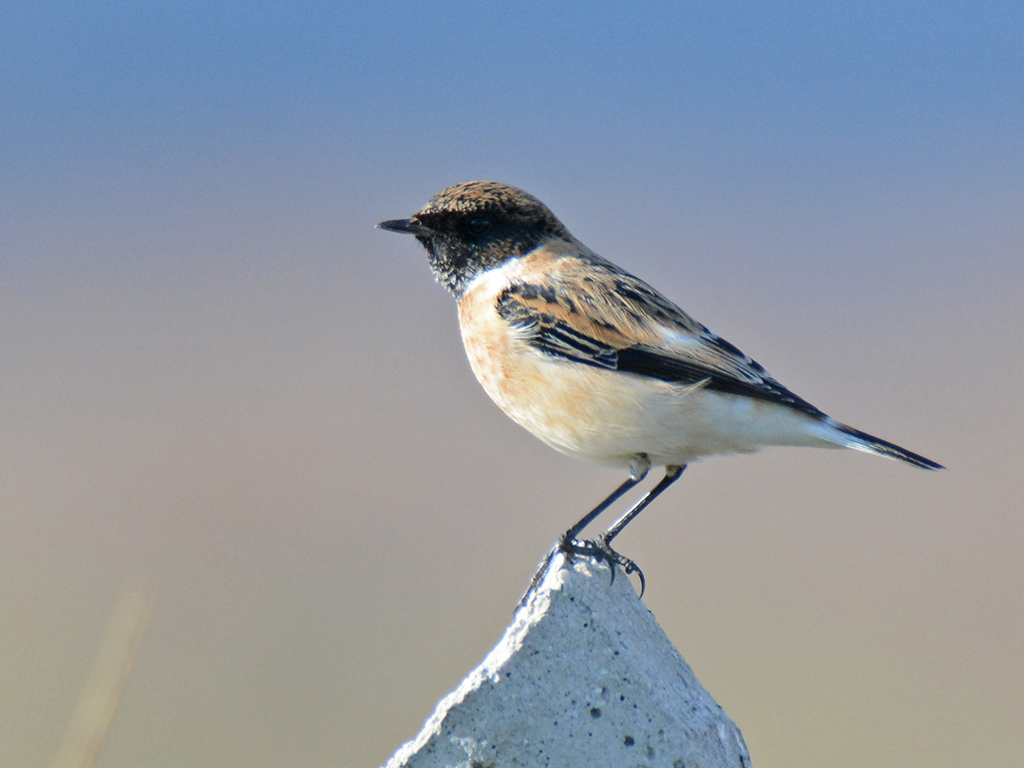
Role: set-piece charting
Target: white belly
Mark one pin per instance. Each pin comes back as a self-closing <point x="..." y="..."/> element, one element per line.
<point x="608" y="417"/>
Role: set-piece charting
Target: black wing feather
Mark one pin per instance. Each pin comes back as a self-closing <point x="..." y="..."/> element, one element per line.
<point x="546" y="333"/>
<point x="647" y="362"/>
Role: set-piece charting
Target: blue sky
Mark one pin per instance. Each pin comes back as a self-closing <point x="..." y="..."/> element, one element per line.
<point x="143" y="83"/>
<point x="800" y="111"/>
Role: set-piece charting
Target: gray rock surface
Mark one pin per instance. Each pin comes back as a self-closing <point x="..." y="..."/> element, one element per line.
<point x="584" y="676"/>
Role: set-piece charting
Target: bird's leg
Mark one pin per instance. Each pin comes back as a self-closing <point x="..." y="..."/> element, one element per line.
<point x="599" y="549"/>
<point x="602" y="546"/>
<point x="570" y="545"/>
<point x="672" y="473"/>
<point x="638" y="469"/>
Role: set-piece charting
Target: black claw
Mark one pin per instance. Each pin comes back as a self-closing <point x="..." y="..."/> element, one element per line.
<point x="601" y="551"/>
<point x="597" y="549"/>
<point x="628" y="565"/>
<point x="634" y="568"/>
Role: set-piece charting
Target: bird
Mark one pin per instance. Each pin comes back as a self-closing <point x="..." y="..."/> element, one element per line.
<point x="596" y="362"/>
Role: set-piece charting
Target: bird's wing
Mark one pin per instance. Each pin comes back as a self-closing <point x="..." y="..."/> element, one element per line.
<point x="585" y="309"/>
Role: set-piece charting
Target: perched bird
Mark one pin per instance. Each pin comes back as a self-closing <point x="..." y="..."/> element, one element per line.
<point x="597" y="363"/>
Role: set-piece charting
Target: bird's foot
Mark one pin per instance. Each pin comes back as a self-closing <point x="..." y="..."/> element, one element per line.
<point x="599" y="549"/>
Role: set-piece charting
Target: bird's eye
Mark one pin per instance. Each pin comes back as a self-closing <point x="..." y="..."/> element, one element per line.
<point x="478" y="225"/>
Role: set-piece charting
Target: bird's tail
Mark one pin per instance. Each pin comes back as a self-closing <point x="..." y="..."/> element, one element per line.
<point x="862" y="441"/>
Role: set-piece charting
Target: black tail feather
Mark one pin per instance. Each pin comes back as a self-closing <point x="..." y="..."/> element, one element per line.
<point x="862" y="441"/>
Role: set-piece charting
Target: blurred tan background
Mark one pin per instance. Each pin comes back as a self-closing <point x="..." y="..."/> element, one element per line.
<point x="219" y="378"/>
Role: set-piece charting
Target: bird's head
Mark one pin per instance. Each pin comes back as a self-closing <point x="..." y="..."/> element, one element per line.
<point x="474" y="226"/>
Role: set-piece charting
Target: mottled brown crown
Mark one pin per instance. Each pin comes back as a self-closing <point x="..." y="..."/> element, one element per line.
<point x="471" y="197"/>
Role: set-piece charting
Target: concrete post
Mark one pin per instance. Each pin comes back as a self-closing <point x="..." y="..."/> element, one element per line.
<point x="583" y="677"/>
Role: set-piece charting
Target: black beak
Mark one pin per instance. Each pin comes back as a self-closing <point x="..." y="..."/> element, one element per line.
<point x="406" y="226"/>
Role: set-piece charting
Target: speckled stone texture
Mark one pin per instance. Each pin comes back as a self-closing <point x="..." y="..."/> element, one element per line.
<point x="584" y="676"/>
